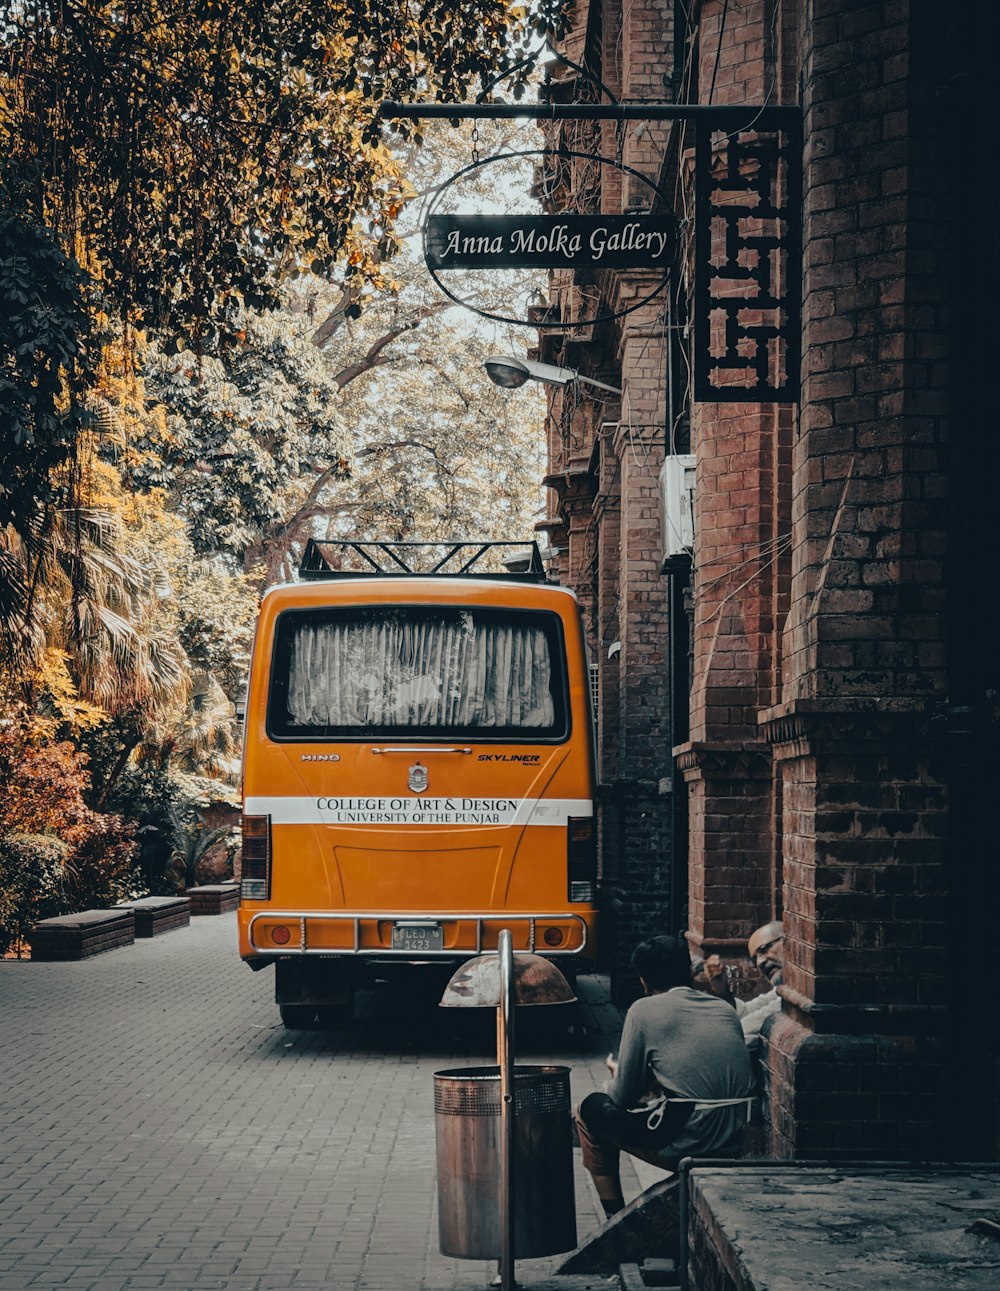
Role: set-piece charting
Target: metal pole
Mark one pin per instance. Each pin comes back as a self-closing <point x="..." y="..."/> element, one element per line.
<point x="765" y="116"/>
<point x="505" y="1052"/>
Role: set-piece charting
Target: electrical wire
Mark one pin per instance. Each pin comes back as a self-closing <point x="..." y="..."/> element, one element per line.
<point x="778" y="552"/>
<point x="774" y="77"/>
<point x="771" y="547"/>
<point x="718" y="49"/>
<point x="745" y="546"/>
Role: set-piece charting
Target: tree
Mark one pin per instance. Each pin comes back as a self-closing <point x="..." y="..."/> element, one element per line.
<point x="45" y="367"/>
<point x="245" y="424"/>
<point x="441" y="452"/>
<point x="135" y="644"/>
<point x="315" y="422"/>
<point x="218" y="611"/>
<point x="96" y="588"/>
<point x="392" y="429"/>
<point x="200" y="164"/>
<point x="438" y="451"/>
<point x="198" y="152"/>
<point x="170" y="810"/>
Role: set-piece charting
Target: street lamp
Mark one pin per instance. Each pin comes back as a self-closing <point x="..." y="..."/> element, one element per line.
<point x="510" y="374"/>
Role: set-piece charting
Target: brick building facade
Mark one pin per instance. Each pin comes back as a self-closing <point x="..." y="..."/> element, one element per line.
<point x="801" y="721"/>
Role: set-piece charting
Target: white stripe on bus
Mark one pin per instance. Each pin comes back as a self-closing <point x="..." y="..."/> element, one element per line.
<point x="433" y="812"/>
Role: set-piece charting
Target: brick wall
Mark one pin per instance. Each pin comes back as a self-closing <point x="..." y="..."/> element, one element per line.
<point x="856" y="1061"/>
<point x="639" y="67"/>
<point x="865" y="885"/>
<point x="843" y="746"/>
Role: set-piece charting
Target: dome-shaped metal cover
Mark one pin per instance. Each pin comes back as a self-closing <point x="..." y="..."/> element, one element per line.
<point x="476" y="984"/>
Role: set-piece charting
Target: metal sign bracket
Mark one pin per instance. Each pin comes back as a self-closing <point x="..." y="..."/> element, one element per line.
<point x="747" y="237"/>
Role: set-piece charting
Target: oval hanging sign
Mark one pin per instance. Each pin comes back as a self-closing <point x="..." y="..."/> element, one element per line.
<point x="458" y="241"/>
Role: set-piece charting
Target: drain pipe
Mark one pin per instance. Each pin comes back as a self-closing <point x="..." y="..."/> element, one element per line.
<point x="688" y="1164"/>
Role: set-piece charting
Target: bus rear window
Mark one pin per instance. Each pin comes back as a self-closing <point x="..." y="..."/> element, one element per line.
<point x="408" y="671"/>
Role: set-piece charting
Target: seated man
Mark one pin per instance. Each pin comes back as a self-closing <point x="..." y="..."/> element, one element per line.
<point x="766" y="949"/>
<point x="679" y="1044"/>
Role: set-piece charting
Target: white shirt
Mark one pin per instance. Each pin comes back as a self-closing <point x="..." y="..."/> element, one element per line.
<point x="752" y="1013"/>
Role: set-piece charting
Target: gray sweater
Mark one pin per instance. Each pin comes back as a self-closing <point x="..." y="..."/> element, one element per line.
<point x="691" y="1044"/>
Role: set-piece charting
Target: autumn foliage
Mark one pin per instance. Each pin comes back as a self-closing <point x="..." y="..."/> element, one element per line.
<point x="56" y="854"/>
<point x="197" y="152"/>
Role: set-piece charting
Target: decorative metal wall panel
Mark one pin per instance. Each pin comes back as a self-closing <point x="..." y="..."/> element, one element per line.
<point x="748" y="259"/>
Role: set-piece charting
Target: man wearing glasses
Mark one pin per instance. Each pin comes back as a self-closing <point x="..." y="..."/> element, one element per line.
<point x="766" y="948"/>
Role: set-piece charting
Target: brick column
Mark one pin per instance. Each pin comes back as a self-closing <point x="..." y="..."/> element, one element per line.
<point x="855" y="1059"/>
<point x="856" y="1056"/>
<point x="740" y="579"/>
<point x="637" y="806"/>
<point x="740" y="583"/>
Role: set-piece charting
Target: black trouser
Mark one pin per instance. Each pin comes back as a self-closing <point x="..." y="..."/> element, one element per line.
<point x="605" y="1129"/>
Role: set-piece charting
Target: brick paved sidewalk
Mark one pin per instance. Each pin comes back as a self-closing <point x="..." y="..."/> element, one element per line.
<point x="160" y="1129"/>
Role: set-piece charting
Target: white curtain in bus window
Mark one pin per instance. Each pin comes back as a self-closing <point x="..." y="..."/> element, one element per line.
<point x="420" y="671"/>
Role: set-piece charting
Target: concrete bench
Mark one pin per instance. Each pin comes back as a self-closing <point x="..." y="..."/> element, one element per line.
<point x="154" y="915"/>
<point x="214" y="898"/>
<point x="77" y="936"/>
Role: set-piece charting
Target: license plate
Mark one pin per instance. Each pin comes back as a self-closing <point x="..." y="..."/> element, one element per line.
<point x="417" y="937"/>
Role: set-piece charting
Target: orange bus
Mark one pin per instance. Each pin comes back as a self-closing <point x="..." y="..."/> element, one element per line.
<point x="418" y="770"/>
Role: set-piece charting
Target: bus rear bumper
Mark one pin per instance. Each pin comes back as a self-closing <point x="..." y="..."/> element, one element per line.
<point x="268" y="934"/>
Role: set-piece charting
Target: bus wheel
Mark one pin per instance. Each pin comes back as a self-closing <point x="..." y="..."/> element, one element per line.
<point x="297" y="1017"/>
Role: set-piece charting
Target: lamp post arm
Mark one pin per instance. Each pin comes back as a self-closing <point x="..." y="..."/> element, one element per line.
<point x="552" y="374"/>
<point x="601" y="385"/>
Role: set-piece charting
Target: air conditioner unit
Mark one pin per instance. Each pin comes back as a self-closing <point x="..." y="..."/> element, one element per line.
<point x="677" y="508"/>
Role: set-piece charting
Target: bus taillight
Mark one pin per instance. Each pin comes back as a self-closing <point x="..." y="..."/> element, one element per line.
<point x="255" y="875"/>
<point x="582" y="858"/>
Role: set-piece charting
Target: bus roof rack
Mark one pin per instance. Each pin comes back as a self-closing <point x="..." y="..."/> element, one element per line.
<point x="521" y="561"/>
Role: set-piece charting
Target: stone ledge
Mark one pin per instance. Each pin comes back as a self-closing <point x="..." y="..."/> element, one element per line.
<point x="798" y="1224"/>
<point x="214" y="898"/>
<point x="154" y="915"/>
<point x="78" y="936"/>
<point x="722" y="759"/>
<point x="794" y="729"/>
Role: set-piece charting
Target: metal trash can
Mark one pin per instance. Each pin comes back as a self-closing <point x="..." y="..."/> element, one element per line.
<point x="467" y="1126"/>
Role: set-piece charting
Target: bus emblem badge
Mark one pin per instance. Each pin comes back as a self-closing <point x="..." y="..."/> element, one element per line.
<point x="418" y="778"/>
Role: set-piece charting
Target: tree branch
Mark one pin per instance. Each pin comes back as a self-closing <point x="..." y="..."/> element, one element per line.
<point x="374" y="357"/>
<point x="385" y="445"/>
<point x="280" y="535"/>
<point x="336" y="317"/>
